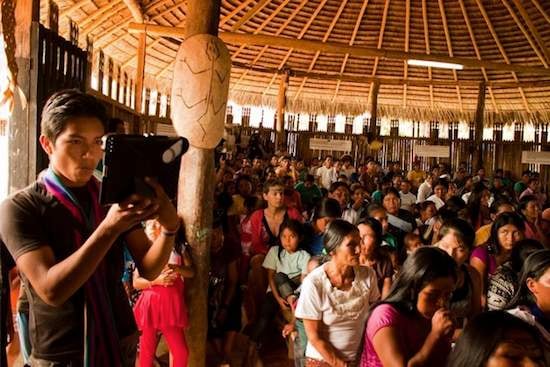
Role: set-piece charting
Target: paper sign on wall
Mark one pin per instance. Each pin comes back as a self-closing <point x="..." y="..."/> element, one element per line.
<point x="437" y="151"/>
<point x="330" y="144"/>
<point x="535" y="157"/>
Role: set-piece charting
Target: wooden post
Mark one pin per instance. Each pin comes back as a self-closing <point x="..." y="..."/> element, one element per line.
<point x="281" y="106"/>
<point x="478" y="119"/>
<point x="140" y="72"/>
<point x="373" y="107"/>
<point x="21" y="32"/>
<point x="196" y="199"/>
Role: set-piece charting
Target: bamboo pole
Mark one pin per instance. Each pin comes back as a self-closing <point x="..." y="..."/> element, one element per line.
<point x="196" y="199"/>
<point x="480" y="109"/>
<point x="140" y="71"/>
<point x="281" y="106"/>
<point x="337" y="48"/>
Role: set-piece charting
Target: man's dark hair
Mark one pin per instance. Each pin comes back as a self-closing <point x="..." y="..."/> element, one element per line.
<point x="69" y="104"/>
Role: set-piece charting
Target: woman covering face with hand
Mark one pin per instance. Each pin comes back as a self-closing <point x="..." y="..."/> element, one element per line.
<point x="412" y="326"/>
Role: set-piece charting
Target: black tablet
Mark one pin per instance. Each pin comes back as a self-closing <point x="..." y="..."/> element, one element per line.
<point x="128" y="159"/>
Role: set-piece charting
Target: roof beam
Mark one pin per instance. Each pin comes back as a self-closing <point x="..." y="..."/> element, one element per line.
<point x="352" y="40"/>
<point x="135" y="10"/>
<point x="541" y="9"/>
<point x="427" y="42"/>
<point x="338" y="48"/>
<point x="450" y="48"/>
<point x="502" y="51"/>
<point x="235" y="11"/>
<point x="255" y="9"/>
<point x="77" y="5"/>
<point x="361" y="79"/>
<point x="381" y="35"/>
<point x="107" y="12"/>
<point x="533" y="30"/>
<point x="325" y="38"/>
<point x="476" y="49"/>
<point x="407" y="33"/>
<point x="302" y="32"/>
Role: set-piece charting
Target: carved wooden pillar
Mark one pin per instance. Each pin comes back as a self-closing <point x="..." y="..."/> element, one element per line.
<point x="478" y="134"/>
<point x="281" y="106"/>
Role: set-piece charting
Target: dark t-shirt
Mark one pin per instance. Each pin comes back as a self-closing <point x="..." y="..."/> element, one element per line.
<point x="33" y="218"/>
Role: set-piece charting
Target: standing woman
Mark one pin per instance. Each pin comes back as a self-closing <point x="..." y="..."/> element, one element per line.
<point x="161" y="305"/>
<point x="370" y="231"/>
<point x="413" y="325"/>
<point x="531" y="303"/>
<point x="335" y="300"/>
<point x="506" y="231"/>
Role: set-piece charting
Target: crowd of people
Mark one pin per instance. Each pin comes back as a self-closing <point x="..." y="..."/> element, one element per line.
<point x="352" y="263"/>
<point x="373" y="266"/>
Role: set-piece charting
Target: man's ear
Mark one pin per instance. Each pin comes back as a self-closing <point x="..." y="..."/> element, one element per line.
<point x="46" y="144"/>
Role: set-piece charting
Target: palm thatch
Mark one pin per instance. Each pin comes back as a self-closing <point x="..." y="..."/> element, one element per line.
<point x="505" y="32"/>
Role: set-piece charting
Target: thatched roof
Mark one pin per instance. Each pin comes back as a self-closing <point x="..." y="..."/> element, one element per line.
<point x="515" y="32"/>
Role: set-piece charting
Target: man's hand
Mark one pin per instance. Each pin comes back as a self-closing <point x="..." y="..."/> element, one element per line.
<point x="166" y="214"/>
<point x="129" y="213"/>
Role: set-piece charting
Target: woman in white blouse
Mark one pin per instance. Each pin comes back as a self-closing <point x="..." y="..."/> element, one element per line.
<point x="335" y="300"/>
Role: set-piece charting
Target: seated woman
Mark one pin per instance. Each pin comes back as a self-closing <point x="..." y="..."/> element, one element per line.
<point x="495" y="339"/>
<point x="478" y="206"/>
<point x="505" y="281"/>
<point x="325" y="212"/>
<point x="335" y="299"/>
<point x="413" y="326"/>
<point x="506" y="231"/>
<point x="531" y="303"/>
<point x="457" y="240"/>
<point x="530" y="211"/>
<point x="370" y="231"/>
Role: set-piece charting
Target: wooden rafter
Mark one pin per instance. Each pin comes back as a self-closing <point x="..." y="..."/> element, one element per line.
<point x="361" y="79"/>
<point x="339" y="48"/>
<point x="427" y="42"/>
<point x="533" y="30"/>
<point x="407" y="32"/>
<point x="381" y="34"/>
<point x="325" y="39"/>
<point x="501" y="49"/>
<point x="77" y="5"/>
<point x="135" y="10"/>
<point x="541" y="9"/>
<point x="450" y="48"/>
<point x="235" y="11"/>
<point x="262" y="26"/>
<point x="530" y="39"/>
<point x="255" y="9"/>
<point x="476" y="49"/>
<point x="113" y="9"/>
<point x="351" y="42"/>
<point x="98" y="12"/>
<point x="116" y="28"/>
<point x="302" y="32"/>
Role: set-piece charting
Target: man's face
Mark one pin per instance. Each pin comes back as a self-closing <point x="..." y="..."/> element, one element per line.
<point x="256" y="163"/>
<point x="77" y="150"/>
<point x="405" y="187"/>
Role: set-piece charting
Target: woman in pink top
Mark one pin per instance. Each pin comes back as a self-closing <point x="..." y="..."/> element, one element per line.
<point x="507" y="229"/>
<point x="530" y="210"/>
<point x="413" y="325"/>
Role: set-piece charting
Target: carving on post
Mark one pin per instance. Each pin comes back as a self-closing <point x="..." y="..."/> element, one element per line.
<point x="53" y="16"/>
<point x="199" y="90"/>
<point x="73" y="29"/>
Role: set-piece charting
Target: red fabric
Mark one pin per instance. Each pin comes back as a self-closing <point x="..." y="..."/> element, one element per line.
<point x="161" y="307"/>
<point x="259" y="237"/>
<point x="294" y="201"/>
<point x="176" y="343"/>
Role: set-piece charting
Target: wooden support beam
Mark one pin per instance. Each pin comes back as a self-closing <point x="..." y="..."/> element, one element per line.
<point x="338" y="48"/>
<point x="196" y="200"/>
<point x="407" y="35"/>
<point x="373" y="108"/>
<point x="533" y="30"/>
<point x="24" y="126"/>
<point x="235" y="11"/>
<point x="541" y="10"/>
<point x="359" y="79"/>
<point x="427" y="42"/>
<point x="75" y="6"/>
<point x="478" y="120"/>
<point x="135" y="10"/>
<point x="281" y="106"/>
<point x="140" y="71"/>
<point x="255" y="9"/>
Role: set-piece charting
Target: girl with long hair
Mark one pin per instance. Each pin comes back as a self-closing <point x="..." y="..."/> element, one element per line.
<point x="413" y="326"/>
